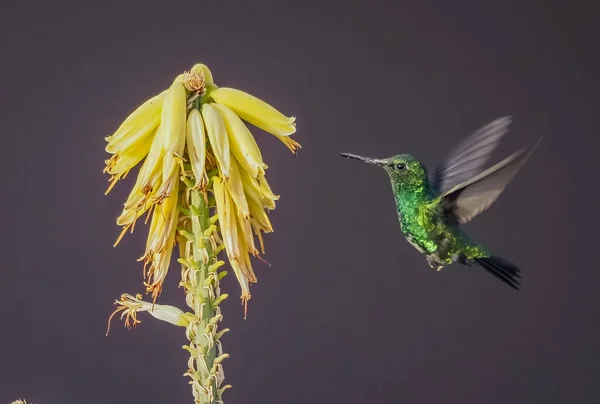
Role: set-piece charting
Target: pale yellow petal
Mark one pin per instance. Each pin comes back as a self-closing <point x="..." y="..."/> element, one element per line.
<point x="236" y="189"/>
<point x="246" y="234"/>
<point x="259" y="216"/>
<point x="242" y="143"/>
<point x="228" y="234"/>
<point x="139" y="200"/>
<point x="128" y="158"/>
<point x="251" y="187"/>
<point x="269" y="197"/>
<point x="136" y="136"/>
<point x="196" y="143"/>
<point x="146" y="112"/>
<point x="249" y="107"/>
<point x="242" y="280"/>
<point x="217" y="135"/>
<point x="154" y="159"/>
<point x="173" y="124"/>
<point x="246" y="266"/>
<point x="231" y="225"/>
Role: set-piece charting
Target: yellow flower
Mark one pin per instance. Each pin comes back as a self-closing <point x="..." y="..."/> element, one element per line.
<point x="242" y="143"/>
<point x="196" y="145"/>
<point x="259" y="114"/>
<point x="119" y="165"/>
<point x="236" y="190"/>
<point x="130" y="306"/>
<point x="131" y="142"/>
<point x="217" y="135"/>
<point x="202" y="181"/>
<point x="161" y="240"/>
<point x="146" y="115"/>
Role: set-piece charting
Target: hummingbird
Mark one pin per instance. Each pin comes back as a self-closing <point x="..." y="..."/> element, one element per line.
<point x="432" y="208"/>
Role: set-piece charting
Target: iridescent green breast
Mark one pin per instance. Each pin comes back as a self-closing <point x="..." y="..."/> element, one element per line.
<point x="417" y="222"/>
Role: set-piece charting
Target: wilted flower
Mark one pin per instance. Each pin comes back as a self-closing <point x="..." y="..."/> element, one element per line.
<point x="129" y="306"/>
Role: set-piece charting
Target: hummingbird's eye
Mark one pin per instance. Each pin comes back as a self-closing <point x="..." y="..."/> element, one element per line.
<point x="400" y="166"/>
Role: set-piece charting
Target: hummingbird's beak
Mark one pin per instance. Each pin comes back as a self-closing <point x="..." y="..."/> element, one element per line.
<point x="361" y="158"/>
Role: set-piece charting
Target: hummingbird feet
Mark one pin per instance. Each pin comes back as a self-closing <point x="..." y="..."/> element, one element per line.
<point x="434" y="263"/>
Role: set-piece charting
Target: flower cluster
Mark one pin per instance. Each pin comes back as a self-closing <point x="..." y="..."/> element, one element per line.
<point x="196" y="130"/>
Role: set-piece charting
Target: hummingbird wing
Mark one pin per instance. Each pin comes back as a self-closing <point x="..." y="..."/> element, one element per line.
<point x="468" y="157"/>
<point x="465" y="201"/>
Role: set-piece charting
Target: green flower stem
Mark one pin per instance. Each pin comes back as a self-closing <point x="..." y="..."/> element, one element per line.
<point x="204" y="297"/>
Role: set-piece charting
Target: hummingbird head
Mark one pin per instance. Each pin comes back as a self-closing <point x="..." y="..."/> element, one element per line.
<point x="402" y="168"/>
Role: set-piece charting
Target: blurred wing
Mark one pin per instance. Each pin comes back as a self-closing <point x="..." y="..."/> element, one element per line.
<point x="465" y="201"/>
<point x="467" y="159"/>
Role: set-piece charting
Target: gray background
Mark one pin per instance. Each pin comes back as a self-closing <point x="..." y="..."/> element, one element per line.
<point x="349" y="312"/>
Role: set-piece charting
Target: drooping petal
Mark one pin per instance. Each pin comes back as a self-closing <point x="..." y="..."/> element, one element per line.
<point x="236" y="189"/>
<point x="164" y="221"/>
<point x="196" y="143"/>
<point x="173" y="124"/>
<point x="251" y="187"/>
<point x="259" y="217"/>
<point x="130" y="306"/>
<point x="231" y="225"/>
<point x="242" y="143"/>
<point x="139" y="201"/>
<point x="136" y="136"/>
<point x="255" y="111"/>
<point x="242" y="280"/>
<point x="154" y="160"/>
<point x="228" y="233"/>
<point x="161" y="241"/>
<point x="250" y="106"/>
<point x="245" y="232"/>
<point x="269" y="197"/>
<point x="120" y="163"/>
<point x="147" y="112"/>
<point x="217" y="135"/>
<point x="246" y="266"/>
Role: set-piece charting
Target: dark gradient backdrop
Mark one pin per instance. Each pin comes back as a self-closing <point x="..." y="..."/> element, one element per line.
<point x="349" y="312"/>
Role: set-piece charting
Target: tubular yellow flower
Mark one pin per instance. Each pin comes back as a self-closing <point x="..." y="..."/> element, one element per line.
<point x="242" y="280"/>
<point x="161" y="239"/>
<point x="119" y="165"/>
<point x="227" y="232"/>
<point x="196" y="145"/>
<point x="242" y="143"/>
<point x="130" y="306"/>
<point x="252" y="109"/>
<point x="269" y="197"/>
<point x="230" y="226"/>
<point x="246" y="267"/>
<point x="217" y="135"/>
<point x="145" y="115"/>
<point x="259" y="217"/>
<point x="140" y="200"/>
<point x="251" y="187"/>
<point x="173" y="124"/>
<point x="136" y="136"/>
<point x="245" y="231"/>
<point x="236" y="189"/>
<point x="154" y="159"/>
<point x="259" y="114"/>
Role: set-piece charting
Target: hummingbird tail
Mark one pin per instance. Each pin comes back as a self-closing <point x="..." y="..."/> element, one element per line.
<point x="501" y="269"/>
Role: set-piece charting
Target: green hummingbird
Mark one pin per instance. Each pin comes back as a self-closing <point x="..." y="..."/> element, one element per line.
<point x="431" y="209"/>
